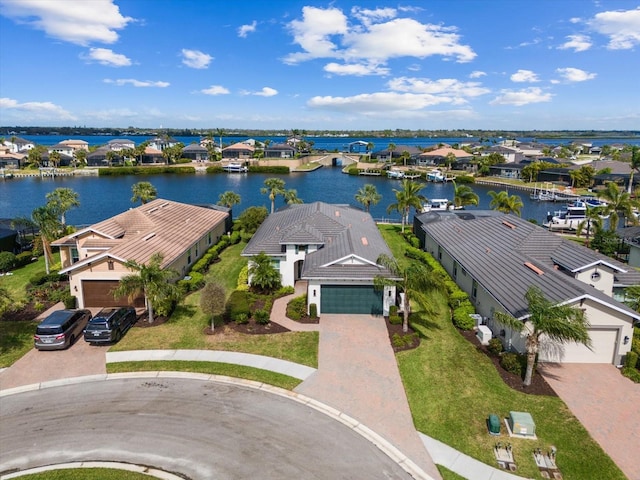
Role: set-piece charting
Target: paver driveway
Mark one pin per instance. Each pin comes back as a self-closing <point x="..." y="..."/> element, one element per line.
<point x="606" y="403"/>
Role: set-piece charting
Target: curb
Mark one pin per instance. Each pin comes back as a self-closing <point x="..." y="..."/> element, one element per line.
<point x="129" y="467"/>
<point x="383" y="445"/>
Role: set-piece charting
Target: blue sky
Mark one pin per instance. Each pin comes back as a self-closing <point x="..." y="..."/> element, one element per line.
<point x="340" y="65"/>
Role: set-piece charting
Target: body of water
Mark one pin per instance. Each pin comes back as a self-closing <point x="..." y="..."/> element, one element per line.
<point x="103" y="197"/>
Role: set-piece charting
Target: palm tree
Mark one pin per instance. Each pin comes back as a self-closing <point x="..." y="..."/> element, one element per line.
<point x="632" y="297"/>
<point x="464" y="195"/>
<point x="502" y="202"/>
<point x="405" y="156"/>
<point x="80" y="157"/>
<point x="370" y="146"/>
<point x="150" y="280"/>
<point x="54" y="158"/>
<point x="263" y="274"/>
<point x="367" y="196"/>
<point x="62" y="200"/>
<point x="229" y="199"/>
<point x="618" y="203"/>
<point x="46" y="220"/>
<point x="635" y="165"/>
<point x="291" y="197"/>
<point x="407" y="197"/>
<point x="593" y="219"/>
<point x="220" y="132"/>
<point x="273" y="187"/>
<point x="391" y="147"/>
<point x="415" y="279"/>
<point x="143" y="191"/>
<point x="34" y="157"/>
<point x="560" y="323"/>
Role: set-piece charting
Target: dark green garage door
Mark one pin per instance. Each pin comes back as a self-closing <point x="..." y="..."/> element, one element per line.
<point x="350" y="299"/>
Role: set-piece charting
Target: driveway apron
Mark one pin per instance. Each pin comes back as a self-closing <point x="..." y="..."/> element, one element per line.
<point x="358" y="375"/>
<point x="606" y="403"/>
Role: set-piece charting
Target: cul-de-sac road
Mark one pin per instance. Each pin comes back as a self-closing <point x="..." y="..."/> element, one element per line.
<point x="194" y="428"/>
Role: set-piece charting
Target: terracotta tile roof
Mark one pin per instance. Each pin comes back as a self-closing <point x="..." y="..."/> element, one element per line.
<point x="443" y="152"/>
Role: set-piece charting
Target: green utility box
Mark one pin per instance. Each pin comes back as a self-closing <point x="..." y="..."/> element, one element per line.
<point x="493" y="424"/>
<point x="521" y="423"/>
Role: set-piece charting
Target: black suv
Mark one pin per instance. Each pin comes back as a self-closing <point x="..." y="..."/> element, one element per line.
<point x="110" y="324"/>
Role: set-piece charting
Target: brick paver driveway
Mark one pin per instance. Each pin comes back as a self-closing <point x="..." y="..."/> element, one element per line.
<point x="606" y="403"/>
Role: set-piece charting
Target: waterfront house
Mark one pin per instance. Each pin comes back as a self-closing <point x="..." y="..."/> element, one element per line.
<point x="62" y="149"/>
<point x="280" y="150"/>
<point x="76" y="144"/>
<point x="334" y="248"/>
<point x="195" y="152"/>
<point x="440" y="156"/>
<point x="152" y="156"/>
<point x="161" y="142"/>
<point x="94" y="256"/>
<point x="495" y="258"/>
<point x="18" y="145"/>
<point x="119" y="144"/>
<point x="12" y="160"/>
<point x="240" y="151"/>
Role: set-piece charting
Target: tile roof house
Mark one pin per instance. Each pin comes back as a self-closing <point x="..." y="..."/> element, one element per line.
<point x="195" y="152"/>
<point x="495" y="258"/>
<point x="18" y="145"/>
<point x="334" y="248"/>
<point x="94" y="256"/>
<point x="118" y="144"/>
<point x="280" y="150"/>
<point x="238" y="150"/>
<point x="76" y="144"/>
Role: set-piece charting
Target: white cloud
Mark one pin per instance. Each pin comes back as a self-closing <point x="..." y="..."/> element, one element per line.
<point x="521" y="97"/>
<point x="579" y="43"/>
<point x="477" y="74"/>
<point x="265" y="92"/>
<point x="328" y="33"/>
<point x="35" y="110"/>
<point x="120" y="82"/>
<point x="570" y="74"/>
<point x="621" y="26"/>
<point x="448" y="86"/>
<point x="368" y="103"/>
<point x="106" y="56"/>
<point x="356" y="69"/>
<point x="215" y="90"/>
<point x="244" y="30"/>
<point x="525" y="76"/>
<point x="195" y="58"/>
<point x="76" y="22"/>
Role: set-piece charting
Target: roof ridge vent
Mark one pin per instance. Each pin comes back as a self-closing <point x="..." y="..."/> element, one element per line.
<point x="533" y="268"/>
<point x="152" y="210"/>
<point x="149" y="236"/>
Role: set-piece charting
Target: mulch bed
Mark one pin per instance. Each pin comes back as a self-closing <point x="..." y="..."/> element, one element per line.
<point x="25" y="314"/>
<point x="538" y="386"/>
<point x="251" y="328"/>
<point x="397" y="330"/>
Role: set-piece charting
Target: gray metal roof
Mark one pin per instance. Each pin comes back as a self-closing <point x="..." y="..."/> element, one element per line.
<point x="343" y="233"/>
<point x="504" y="254"/>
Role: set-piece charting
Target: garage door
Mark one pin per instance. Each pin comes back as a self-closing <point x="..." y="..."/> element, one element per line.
<point x="602" y="350"/>
<point x="97" y="293"/>
<point x="350" y="299"/>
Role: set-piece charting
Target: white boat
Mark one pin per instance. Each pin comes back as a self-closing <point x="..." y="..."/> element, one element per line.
<point x="435" y="176"/>
<point x="395" y="174"/>
<point x="235" y="168"/>
<point x="569" y="218"/>
<point x="438" y="205"/>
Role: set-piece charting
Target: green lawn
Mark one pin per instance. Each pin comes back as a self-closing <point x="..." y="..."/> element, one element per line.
<point x="227" y="269"/>
<point x="86" y="474"/>
<point x="17" y="282"/>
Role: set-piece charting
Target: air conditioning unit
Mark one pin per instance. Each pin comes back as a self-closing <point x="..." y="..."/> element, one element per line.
<point x="477" y="319"/>
<point x="484" y="334"/>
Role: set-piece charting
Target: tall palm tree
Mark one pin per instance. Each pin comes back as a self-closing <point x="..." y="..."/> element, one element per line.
<point x="291" y="197"/>
<point x="80" y="157"/>
<point x="416" y="280"/>
<point x="143" y="191"/>
<point x="54" y="158"/>
<point x="229" y="199"/>
<point x="391" y="147"/>
<point x="150" y="280"/>
<point x="619" y="202"/>
<point x="591" y="224"/>
<point x="273" y="187"/>
<point x="370" y="146"/>
<point x="505" y="203"/>
<point x="560" y="323"/>
<point x="464" y="195"/>
<point x="367" y="195"/>
<point x="635" y="165"/>
<point x="408" y="196"/>
<point x="46" y="220"/>
<point x="405" y="156"/>
<point x="220" y="132"/>
<point x="62" y="200"/>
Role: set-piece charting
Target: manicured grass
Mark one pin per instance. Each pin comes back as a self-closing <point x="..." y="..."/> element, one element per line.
<point x="392" y="236"/>
<point x="452" y="388"/>
<point x="16" y="283"/>
<point x="86" y="474"/>
<point x="227" y="269"/>
<point x="211" y="368"/>
<point x="448" y="474"/>
<point x="16" y="339"/>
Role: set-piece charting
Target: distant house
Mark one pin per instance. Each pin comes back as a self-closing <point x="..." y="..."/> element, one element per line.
<point x="631" y="236"/>
<point x="104" y="157"/>
<point x="396" y="153"/>
<point x="240" y="151"/>
<point x="18" y="145"/>
<point x="62" y="149"/>
<point x="162" y="142"/>
<point x="12" y="160"/>
<point x="495" y="258"/>
<point x="507" y="170"/>
<point x="280" y="150"/>
<point x="65" y="159"/>
<point x="441" y="155"/>
<point x="119" y="144"/>
<point x="195" y="152"/>
<point x="76" y="144"/>
<point x="152" y="156"/>
<point x="94" y="257"/>
<point x="511" y="155"/>
<point x="334" y="248"/>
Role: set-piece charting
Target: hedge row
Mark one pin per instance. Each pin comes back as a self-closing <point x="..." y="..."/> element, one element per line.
<point x="458" y="300"/>
<point x="118" y="171"/>
<point x="269" y="169"/>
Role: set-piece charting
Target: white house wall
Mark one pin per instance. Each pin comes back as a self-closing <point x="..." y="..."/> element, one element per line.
<point x="605" y="281"/>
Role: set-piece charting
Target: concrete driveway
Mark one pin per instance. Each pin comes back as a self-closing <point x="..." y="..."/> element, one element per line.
<point x="606" y="403"/>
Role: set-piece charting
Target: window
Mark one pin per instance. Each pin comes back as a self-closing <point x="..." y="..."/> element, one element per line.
<point x="455" y="270"/>
<point x="439" y="253"/>
<point x="75" y="256"/>
<point x="474" y="290"/>
<point x="209" y="238"/>
<point x="197" y="249"/>
<point x="595" y="276"/>
<point x="110" y="264"/>
<point x="189" y="256"/>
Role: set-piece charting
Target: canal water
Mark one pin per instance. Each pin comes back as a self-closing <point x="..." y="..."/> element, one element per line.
<point x="103" y="197"/>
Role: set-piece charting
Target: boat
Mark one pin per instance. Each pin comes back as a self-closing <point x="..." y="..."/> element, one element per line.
<point x="435" y="176"/>
<point x="235" y="168"/>
<point x="395" y="174"/>
<point x="568" y="218"/>
<point x="439" y="205"/>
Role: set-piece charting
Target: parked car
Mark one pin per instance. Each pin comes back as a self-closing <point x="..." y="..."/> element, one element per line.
<point x="60" y="329"/>
<point x="110" y="324"/>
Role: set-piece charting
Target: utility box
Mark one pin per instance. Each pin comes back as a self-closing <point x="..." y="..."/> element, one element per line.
<point x="477" y="319"/>
<point x="493" y="424"/>
<point x="521" y="423"/>
<point x="484" y="334"/>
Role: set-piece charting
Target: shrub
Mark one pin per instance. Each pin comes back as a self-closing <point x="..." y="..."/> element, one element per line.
<point x="400" y="341"/>
<point x="7" y="261"/>
<point x="243" y="278"/>
<point x="495" y="346"/>
<point x="513" y="363"/>
<point x="24" y="258"/>
<point x="631" y="373"/>
<point x="117" y="171"/>
<point x="262" y="316"/>
<point x="393" y="310"/>
<point x="215" y="169"/>
<point x="457" y="297"/>
<point x="196" y="282"/>
<point x="241" y="318"/>
<point x="38" y="306"/>
<point x="297" y="307"/>
<point x="69" y="300"/>
<point x="283" y="291"/>
<point x="461" y="318"/>
<point x="460" y="179"/>
<point x="235" y="238"/>
<point x="42" y="278"/>
<point x="238" y="304"/>
<point x="631" y="360"/>
<point x="395" y="319"/>
<point x="268" y="169"/>
<point x="313" y="310"/>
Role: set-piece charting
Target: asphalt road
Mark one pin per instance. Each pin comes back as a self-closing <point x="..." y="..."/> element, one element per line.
<point x="198" y="429"/>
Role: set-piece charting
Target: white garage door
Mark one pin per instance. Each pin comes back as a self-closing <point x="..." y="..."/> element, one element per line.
<point x="602" y="350"/>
